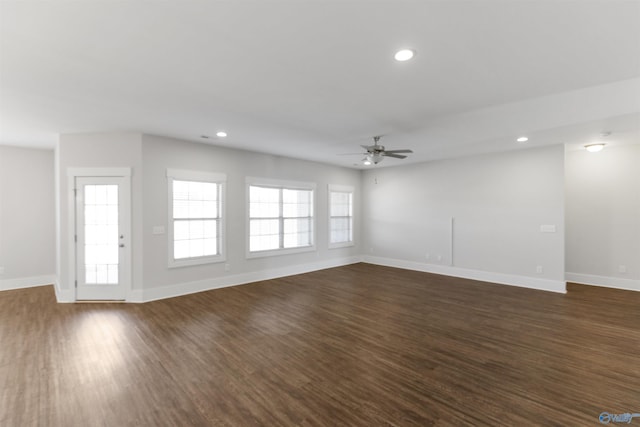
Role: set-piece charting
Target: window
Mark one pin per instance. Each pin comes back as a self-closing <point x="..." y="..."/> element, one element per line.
<point x="280" y="217"/>
<point x="196" y="220"/>
<point x="340" y="216"/>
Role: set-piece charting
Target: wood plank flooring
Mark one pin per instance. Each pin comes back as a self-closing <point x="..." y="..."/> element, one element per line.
<point x="360" y="345"/>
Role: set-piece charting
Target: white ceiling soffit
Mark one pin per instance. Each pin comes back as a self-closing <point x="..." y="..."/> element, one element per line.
<point x="314" y="79"/>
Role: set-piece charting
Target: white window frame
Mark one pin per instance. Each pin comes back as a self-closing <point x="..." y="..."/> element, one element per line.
<point x="331" y="188"/>
<point x="212" y="177"/>
<point x="280" y="184"/>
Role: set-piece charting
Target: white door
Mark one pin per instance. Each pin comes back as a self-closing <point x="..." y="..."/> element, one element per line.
<point x="102" y="238"/>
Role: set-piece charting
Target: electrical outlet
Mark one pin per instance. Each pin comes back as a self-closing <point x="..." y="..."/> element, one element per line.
<point x="427" y="256"/>
<point x="227" y="267"/>
<point x="548" y="228"/>
<point x="439" y="258"/>
<point x="371" y="249"/>
<point x="622" y="268"/>
<point x="1" y="270"/>
<point x="539" y="269"/>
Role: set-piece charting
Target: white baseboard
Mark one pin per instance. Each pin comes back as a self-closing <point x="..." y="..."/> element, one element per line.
<point x="27" y="282"/>
<point x="485" y="276"/>
<point x="64" y="295"/>
<point x="152" y="294"/>
<point x="607" y="282"/>
<point x="135" y="295"/>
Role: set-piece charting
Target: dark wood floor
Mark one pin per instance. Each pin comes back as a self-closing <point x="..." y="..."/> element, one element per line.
<point x="353" y="346"/>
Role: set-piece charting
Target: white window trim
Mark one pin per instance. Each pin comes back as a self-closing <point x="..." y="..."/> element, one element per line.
<point x="189" y="175"/>
<point x="340" y="189"/>
<point x="277" y="183"/>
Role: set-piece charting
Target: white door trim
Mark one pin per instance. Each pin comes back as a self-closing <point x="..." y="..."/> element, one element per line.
<point x="72" y="174"/>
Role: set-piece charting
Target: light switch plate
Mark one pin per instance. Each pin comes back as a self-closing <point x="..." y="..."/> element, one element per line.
<point x="547" y="228"/>
<point x="158" y="229"/>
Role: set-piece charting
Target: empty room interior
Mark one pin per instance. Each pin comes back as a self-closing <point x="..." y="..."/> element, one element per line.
<point x="319" y="213"/>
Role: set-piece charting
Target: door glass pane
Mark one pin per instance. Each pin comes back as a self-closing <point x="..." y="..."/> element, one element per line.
<point x="101" y="234"/>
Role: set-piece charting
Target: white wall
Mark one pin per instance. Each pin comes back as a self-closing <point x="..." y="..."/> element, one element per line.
<point x="161" y="153"/>
<point x="149" y="157"/>
<point x="97" y="151"/>
<point x="498" y="203"/>
<point x="603" y="216"/>
<point x="27" y="209"/>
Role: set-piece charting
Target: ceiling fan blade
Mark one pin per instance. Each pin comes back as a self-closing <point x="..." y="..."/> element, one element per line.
<point x="399" y="151"/>
<point x="395" y="156"/>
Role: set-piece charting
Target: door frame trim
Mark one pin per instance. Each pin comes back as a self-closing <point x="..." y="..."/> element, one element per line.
<point x="72" y="174"/>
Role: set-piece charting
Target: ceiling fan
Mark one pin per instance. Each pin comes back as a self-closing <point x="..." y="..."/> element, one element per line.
<point x="376" y="153"/>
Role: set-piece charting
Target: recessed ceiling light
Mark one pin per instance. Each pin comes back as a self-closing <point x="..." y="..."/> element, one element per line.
<point x="594" y="148"/>
<point x="522" y="139"/>
<point x="404" y="55"/>
<point x="221" y="134"/>
<point x="204" y="136"/>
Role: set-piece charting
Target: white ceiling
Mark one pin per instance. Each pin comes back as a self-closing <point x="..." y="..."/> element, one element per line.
<point x="314" y="79"/>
